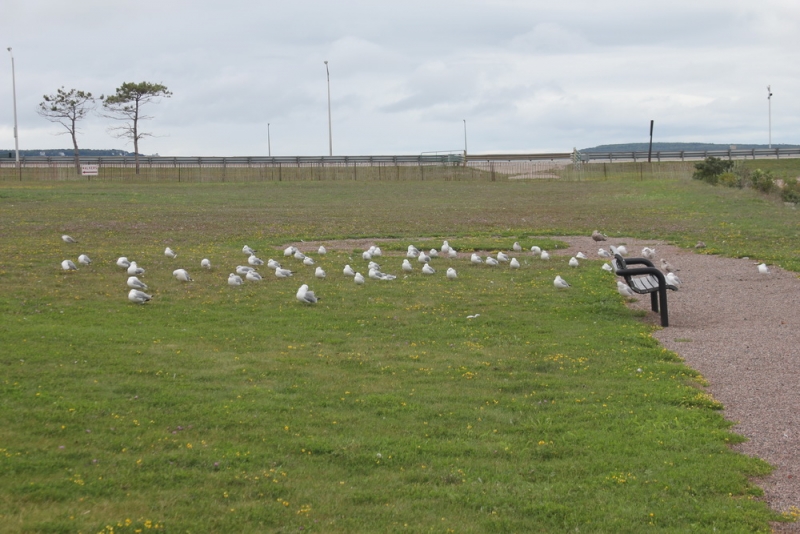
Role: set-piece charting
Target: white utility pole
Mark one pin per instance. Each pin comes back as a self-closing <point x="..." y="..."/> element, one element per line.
<point x="769" y="100"/>
<point x="330" y="130"/>
<point x="14" y="92"/>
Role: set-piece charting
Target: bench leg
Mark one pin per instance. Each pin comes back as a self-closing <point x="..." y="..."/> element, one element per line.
<point x="654" y="301"/>
<point x="662" y="293"/>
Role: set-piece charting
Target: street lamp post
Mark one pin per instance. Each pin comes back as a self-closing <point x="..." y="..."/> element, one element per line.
<point x="465" y="137"/>
<point x="330" y="130"/>
<point x="14" y="92"/>
<point x="769" y="100"/>
<point x="269" y="142"/>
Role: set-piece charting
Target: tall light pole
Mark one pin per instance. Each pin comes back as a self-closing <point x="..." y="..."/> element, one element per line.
<point x="330" y="130"/>
<point x="769" y="100"/>
<point x="465" y="137"/>
<point x="14" y="92"/>
<point x="269" y="142"/>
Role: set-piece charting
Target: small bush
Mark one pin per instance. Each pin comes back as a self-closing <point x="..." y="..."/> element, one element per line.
<point x="791" y="192"/>
<point x="762" y="181"/>
<point x="711" y="169"/>
<point x="730" y="179"/>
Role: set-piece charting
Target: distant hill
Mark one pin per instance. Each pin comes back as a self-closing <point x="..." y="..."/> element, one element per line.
<point x="9" y="153"/>
<point x="675" y="147"/>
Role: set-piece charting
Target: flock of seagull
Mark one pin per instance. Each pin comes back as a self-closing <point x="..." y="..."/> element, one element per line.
<point x="304" y="295"/>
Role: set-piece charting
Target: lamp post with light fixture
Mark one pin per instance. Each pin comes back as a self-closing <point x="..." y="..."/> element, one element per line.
<point x="330" y="130"/>
<point x="14" y="92"/>
<point x="769" y="100"/>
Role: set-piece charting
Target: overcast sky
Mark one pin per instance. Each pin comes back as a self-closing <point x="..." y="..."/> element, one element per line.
<point x="526" y="75"/>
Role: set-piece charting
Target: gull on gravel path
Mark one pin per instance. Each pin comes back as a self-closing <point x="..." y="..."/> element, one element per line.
<point x="667" y="267"/>
<point x="597" y="236"/>
<point x="358" y="278"/>
<point x="763" y="269"/>
<point x="205" y="263"/>
<point x="560" y="283"/>
<point x="83" y="259"/>
<point x="348" y="271"/>
<point x="68" y="265"/>
<point x="135" y="283"/>
<point x="138" y="297"/>
<point x="67" y="239"/>
<point x="573" y="262"/>
<point x="305" y="295"/>
<point x="673" y="279"/>
<point x="168" y="252"/>
<point x="624" y="289"/>
<point x="253" y="276"/>
<point x="234" y="280"/>
<point x="427" y="269"/>
<point x="451" y="273"/>
<point x="182" y="275"/>
<point x="514" y="263"/>
<point x="319" y="273"/>
<point x="648" y="253"/>
<point x="581" y="256"/>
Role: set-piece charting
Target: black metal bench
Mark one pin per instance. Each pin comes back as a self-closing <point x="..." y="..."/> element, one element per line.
<point x="645" y="280"/>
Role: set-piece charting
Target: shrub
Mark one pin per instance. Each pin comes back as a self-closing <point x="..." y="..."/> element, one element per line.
<point x="731" y="180"/>
<point x="711" y="169"/>
<point x="762" y="181"/>
<point x="791" y="192"/>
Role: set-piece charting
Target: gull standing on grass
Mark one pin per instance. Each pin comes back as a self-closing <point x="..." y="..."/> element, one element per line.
<point x="234" y="280"/>
<point x="536" y="250"/>
<point x="67" y="239"/>
<point x="366" y="255"/>
<point x="624" y="289"/>
<point x="475" y="259"/>
<point x="308" y="261"/>
<point x="573" y="262"/>
<point x="306" y="296"/>
<point x="205" y="263"/>
<point x="322" y="250"/>
<point x="407" y="267"/>
<point x="68" y="265"/>
<point x="516" y="247"/>
<point x="319" y="273"/>
<point x="358" y="278"/>
<point x="412" y="252"/>
<point x="423" y="258"/>
<point x="502" y="256"/>
<point x="168" y="252"/>
<point x="451" y="273"/>
<point x="544" y="255"/>
<point x="445" y="247"/>
<point x="514" y="263"/>
<point x="348" y="271"/>
<point x="560" y="283"/>
<point x="182" y="275"/>
<point x="83" y="259"/>
<point x="298" y="255"/>
<point x="138" y="297"/>
<point x="253" y="276"/>
<point x="135" y="283"/>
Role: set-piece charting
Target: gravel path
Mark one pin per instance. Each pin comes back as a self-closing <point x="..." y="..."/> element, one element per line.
<point x="741" y="331"/>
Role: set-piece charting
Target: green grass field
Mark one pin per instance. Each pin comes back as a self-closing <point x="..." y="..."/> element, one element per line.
<point x="382" y="408"/>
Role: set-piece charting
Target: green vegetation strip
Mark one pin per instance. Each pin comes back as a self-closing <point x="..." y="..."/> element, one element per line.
<point x="381" y="409"/>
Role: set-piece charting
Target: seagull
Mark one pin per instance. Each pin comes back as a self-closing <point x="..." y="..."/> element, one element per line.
<point x="182" y="275"/>
<point x="603" y="253"/>
<point x="433" y="253"/>
<point x="673" y="279"/>
<point x="491" y="261"/>
<point x="514" y="263"/>
<point x="373" y="265"/>
<point x="322" y="250"/>
<point x="358" y="278"/>
<point x="581" y="256"/>
<point x="502" y="256"/>
<point x="253" y="276"/>
<point x="597" y="236"/>
<point x="377" y="251"/>
<point x="253" y="260"/>
<point x="83" y="259"/>
<point x="138" y="297"/>
<point x="475" y="259"/>
<point x="452" y="253"/>
<point x="134" y="270"/>
<point x="560" y="283"/>
<point x="445" y="247"/>
<point x="68" y="265"/>
<point x="206" y="263"/>
<point x="573" y="262"/>
<point x="667" y="267"/>
<point x="288" y="251"/>
<point x="624" y="289"/>
<point x="348" y="271"/>
<point x="243" y="269"/>
<point x="308" y="261"/>
<point x="622" y="250"/>
<point x="451" y="273"/>
<point x="473" y="316"/>
<point x="234" y="280"/>
<point x="168" y="252"/>
<point x="366" y="255"/>
<point x="123" y="262"/>
<point x="319" y="273"/>
<point x="423" y="258"/>
<point x="283" y="273"/>
<point x="272" y="264"/>
<point x="427" y="269"/>
<point x="700" y="244"/>
<point x="135" y="283"/>
<point x="299" y="255"/>
<point x="607" y="267"/>
<point x="544" y="255"/>
<point x="762" y="268"/>
<point x="648" y="253"/>
<point x="516" y="247"/>
<point x="67" y="239"/>
<point x="305" y="296"/>
<point x="375" y="274"/>
<point x="412" y="252"/>
<point x="535" y="250"/>
<point x="407" y="267"/>
<point x="247" y="250"/>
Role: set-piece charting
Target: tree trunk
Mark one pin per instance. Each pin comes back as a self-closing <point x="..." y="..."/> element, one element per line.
<point x="76" y="152"/>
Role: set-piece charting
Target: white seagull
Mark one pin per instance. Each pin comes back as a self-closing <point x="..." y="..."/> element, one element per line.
<point x="234" y="280"/>
<point x="412" y="252"/>
<point x="560" y="283"/>
<point x="407" y="267"/>
<point x="622" y="250"/>
<point x="451" y="273"/>
<point x="134" y="270"/>
<point x="319" y="273"/>
<point x="573" y="262"/>
<point x="445" y="247"/>
<point x="299" y="255"/>
<point x="182" y="275"/>
<point x="475" y="259"/>
<point x="491" y="261"/>
<point x="358" y="278"/>
<point x="648" y="253"/>
<point x="168" y="252"/>
<point x="423" y="258"/>
<point x="536" y="250"/>
<point x="138" y="297"/>
<point x="377" y="252"/>
<point x="762" y="268"/>
<point x="516" y="247"/>
<point x="366" y="255"/>
<point x="68" y="265"/>
<point x="280" y="272"/>
<point x="607" y="267"/>
<point x="272" y="264"/>
<point x="254" y="260"/>
<point x="673" y="279"/>
<point x="348" y="271"/>
<point x="247" y="250"/>
<point x="135" y="283"/>
<point x="289" y="251"/>
<point x="544" y="255"/>
<point x="83" y="259"/>
<point x="68" y="239"/>
<point x="581" y="256"/>
<point x="603" y="253"/>
<point x="123" y="262"/>
<point x="253" y="276"/>
<point x="502" y="256"/>
<point x="373" y="265"/>
<point x="205" y="263"/>
<point x="322" y="250"/>
<point x="427" y="269"/>
<point x="308" y="261"/>
<point x="624" y="289"/>
<point x="243" y="269"/>
<point x="452" y="253"/>
<point x="514" y="263"/>
<point x="377" y="275"/>
<point x="305" y="296"/>
<point x="433" y="253"/>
